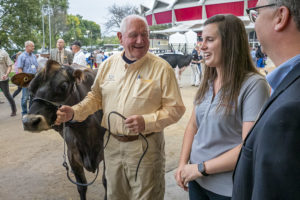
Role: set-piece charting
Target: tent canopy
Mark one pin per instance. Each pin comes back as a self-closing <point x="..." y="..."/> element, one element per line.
<point x="177" y="38"/>
<point x="191" y="37"/>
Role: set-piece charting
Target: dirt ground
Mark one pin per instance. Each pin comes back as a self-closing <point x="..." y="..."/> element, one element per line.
<point x="30" y="163"/>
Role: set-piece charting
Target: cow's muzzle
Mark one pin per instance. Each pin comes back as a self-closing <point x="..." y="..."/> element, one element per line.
<point x="35" y="123"/>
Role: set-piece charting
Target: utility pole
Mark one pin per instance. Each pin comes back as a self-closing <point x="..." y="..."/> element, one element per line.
<point x="44" y="12"/>
<point x="47" y="10"/>
<point x="50" y="12"/>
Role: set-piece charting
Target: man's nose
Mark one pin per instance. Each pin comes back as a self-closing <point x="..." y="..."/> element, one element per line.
<point x="139" y="39"/>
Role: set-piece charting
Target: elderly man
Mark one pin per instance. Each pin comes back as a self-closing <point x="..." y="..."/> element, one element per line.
<point x="143" y="88"/>
<point x="79" y="57"/>
<point x="60" y="54"/>
<point x="269" y="162"/>
<point x="27" y="63"/>
<point x="5" y="68"/>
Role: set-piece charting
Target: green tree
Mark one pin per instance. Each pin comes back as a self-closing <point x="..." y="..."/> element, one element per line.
<point x="20" y="21"/>
<point x="85" y="31"/>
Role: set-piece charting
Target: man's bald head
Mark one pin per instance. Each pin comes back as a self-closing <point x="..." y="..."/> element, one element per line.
<point x="60" y="44"/>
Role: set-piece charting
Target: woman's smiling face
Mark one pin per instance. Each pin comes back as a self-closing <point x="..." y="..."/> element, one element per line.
<point x="212" y="45"/>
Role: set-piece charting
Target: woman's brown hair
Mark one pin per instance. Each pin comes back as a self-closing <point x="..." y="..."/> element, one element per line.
<point x="236" y="61"/>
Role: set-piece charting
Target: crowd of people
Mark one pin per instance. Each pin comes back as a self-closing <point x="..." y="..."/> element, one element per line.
<point x="28" y="62"/>
<point x="242" y="139"/>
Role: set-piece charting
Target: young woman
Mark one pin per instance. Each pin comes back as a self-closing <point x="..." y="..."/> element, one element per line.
<point x="227" y="104"/>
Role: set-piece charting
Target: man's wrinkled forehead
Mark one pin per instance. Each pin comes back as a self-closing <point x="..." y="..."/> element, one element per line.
<point x="136" y="25"/>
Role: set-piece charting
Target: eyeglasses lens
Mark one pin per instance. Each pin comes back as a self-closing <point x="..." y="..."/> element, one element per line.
<point x="253" y="15"/>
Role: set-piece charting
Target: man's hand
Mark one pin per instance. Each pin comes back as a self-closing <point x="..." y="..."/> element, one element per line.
<point x="189" y="173"/>
<point x="135" y="123"/>
<point x="64" y="114"/>
<point x="4" y="77"/>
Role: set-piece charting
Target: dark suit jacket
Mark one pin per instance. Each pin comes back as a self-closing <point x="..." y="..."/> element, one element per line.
<point x="269" y="164"/>
<point x="68" y="56"/>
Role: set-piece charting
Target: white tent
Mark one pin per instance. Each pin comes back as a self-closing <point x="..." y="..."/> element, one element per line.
<point x="177" y="42"/>
<point x="191" y="37"/>
<point x="191" y="40"/>
<point x="177" y="38"/>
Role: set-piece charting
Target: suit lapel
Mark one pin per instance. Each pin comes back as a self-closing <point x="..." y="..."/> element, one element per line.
<point x="286" y="82"/>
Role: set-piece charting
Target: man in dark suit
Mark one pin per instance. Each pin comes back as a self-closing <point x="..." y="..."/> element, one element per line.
<point x="269" y="163"/>
<point x="60" y="54"/>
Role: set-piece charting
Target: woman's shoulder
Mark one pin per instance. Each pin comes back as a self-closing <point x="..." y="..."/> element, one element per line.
<point x="255" y="81"/>
<point x="253" y="77"/>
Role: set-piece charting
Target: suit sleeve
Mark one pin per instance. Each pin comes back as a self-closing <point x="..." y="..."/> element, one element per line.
<point x="71" y="56"/>
<point x="277" y="166"/>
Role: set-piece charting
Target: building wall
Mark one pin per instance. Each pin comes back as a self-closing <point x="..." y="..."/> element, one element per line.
<point x="184" y="11"/>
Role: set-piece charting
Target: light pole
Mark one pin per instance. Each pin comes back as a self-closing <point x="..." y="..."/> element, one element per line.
<point x="44" y="12"/>
<point x="88" y="31"/>
<point x="47" y="10"/>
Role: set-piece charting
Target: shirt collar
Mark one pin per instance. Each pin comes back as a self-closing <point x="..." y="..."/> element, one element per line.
<point x="78" y="52"/>
<point x="137" y="63"/>
<point x="278" y="74"/>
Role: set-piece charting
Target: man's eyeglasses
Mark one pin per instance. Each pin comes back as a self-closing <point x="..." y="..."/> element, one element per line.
<point x="252" y="12"/>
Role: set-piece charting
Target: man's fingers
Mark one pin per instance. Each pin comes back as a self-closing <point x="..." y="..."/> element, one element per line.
<point x="129" y="120"/>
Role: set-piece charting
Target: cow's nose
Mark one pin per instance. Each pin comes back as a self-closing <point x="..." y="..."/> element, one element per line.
<point x="31" y="122"/>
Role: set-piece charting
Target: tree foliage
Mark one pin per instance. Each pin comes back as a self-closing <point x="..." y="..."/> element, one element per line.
<point x="21" y="20"/>
<point x="85" y="31"/>
<point x="117" y="13"/>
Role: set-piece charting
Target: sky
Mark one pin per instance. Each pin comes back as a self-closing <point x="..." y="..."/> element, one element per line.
<point x="97" y="10"/>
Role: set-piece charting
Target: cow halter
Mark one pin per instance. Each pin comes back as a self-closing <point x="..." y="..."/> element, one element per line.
<point x="65" y="164"/>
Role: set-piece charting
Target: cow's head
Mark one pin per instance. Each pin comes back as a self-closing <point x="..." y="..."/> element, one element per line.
<point x="51" y="87"/>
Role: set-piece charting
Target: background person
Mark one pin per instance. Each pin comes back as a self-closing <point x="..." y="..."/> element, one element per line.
<point x="269" y="163"/>
<point x="99" y="58"/>
<point x="226" y="106"/>
<point x="27" y="63"/>
<point x="259" y="58"/>
<point x="60" y="54"/>
<point x="5" y="68"/>
<point x="143" y="88"/>
<point x="79" y="57"/>
<point x="195" y="67"/>
<point x="17" y="91"/>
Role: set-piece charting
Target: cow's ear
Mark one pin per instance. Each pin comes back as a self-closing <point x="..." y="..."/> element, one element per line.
<point x="78" y="75"/>
<point x="52" y="66"/>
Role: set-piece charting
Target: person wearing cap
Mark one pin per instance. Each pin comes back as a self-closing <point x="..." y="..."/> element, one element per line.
<point x="5" y="68"/>
<point x="79" y="57"/>
<point x="60" y="54"/>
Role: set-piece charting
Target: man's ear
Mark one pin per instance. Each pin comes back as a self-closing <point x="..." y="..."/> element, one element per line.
<point x="78" y="75"/>
<point x="119" y="34"/>
<point x="282" y="18"/>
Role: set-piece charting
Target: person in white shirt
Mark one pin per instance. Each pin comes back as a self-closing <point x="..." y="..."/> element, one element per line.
<point x="79" y="57"/>
<point x="99" y="58"/>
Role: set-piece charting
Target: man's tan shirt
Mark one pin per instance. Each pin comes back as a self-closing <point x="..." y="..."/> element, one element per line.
<point x="147" y="87"/>
<point x="5" y="62"/>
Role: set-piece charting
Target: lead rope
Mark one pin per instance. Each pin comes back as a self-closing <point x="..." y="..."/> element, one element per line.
<point x="65" y="164"/>
<point x="109" y="133"/>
